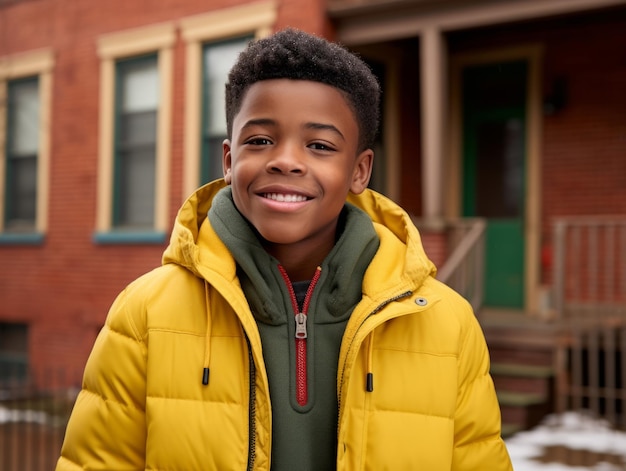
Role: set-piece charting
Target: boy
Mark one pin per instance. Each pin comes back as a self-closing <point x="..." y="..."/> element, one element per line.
<point x="288" y="329"/>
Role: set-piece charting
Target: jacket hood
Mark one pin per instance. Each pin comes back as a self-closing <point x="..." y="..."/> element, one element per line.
<point x="400" y="240"/>
<point x="184" y="247"/>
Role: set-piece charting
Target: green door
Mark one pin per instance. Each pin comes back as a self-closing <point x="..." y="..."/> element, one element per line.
<point x="493" y="173"/>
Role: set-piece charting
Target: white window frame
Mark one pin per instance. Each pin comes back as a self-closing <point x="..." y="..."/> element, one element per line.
<point x="39" y="64"/>
<point x="158" y="39"/>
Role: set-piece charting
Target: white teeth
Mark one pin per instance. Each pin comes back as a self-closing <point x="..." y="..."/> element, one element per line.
<point x="285" y="198"/>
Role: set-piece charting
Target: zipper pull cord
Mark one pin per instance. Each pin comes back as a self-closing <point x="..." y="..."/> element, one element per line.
<point x="207" y="340"/>
<point x="369" y="377"/>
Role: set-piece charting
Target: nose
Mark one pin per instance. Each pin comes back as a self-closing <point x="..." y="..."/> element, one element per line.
<point x="287" y="159"/>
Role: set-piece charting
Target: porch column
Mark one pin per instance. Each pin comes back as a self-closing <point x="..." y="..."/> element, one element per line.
<point x="433" y="78"/>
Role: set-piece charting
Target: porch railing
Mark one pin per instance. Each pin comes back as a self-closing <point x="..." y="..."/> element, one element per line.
<point x="33" y="416"/>
<point x="464" y="267"/>
<point x="590" y="302"/>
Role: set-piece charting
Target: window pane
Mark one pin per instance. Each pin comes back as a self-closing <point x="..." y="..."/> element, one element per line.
<point x="137" y="128"/>
<point x="13" y="351"/>
<point x="21" y="191"/>
<point x="140" y="85"/>
<point x="22" y="148"/>
<point x="135" y="159"/>
<point x="212" y="168"/>
<point x="499" y="169"/>
<point x="136" y="188"/>
<point x="24" y="117"/>
<point x="218" y="60"/>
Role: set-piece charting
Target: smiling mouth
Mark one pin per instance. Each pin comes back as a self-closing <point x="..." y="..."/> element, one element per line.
<point x="285" y="198"/>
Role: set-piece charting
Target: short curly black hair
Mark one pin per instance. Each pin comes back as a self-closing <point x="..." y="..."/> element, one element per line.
<point x="294" y="54"/>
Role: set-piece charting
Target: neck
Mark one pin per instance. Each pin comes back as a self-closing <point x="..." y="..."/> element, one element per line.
<point x="300" y="263"/>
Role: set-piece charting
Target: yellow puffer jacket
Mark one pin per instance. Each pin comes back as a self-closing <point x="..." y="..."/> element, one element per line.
<point x="143" y="404"/>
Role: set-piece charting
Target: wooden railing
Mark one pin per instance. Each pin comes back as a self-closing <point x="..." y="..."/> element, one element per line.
<point x="589" y="264"/>
<point x="463" y="269"/>
<point x="589" y="293"/>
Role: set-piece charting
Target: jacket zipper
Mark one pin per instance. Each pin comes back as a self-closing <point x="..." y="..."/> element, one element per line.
<point x="375" y="311"/>
<point x="251" y="409"/>
<point x="300" y="318"/>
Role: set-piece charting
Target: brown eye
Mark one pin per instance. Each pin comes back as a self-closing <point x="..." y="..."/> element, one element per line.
<point x="321" y="146"/>
<point x="259" y="141"/>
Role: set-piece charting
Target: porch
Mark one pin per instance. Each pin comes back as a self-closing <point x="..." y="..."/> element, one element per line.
<point x="572" y="354"/>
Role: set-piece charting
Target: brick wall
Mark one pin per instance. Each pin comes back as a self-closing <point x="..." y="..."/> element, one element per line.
<point x="584" y="145"/>
<point x="64" y="287"/>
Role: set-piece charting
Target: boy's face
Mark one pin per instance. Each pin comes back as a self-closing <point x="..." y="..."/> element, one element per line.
<point x="292" y="161"/>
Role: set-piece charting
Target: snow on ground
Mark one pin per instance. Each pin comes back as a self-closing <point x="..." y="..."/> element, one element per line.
<point x="25" y="415"/>
<point x="580" y="441"/>
<point x="566" y="442"/>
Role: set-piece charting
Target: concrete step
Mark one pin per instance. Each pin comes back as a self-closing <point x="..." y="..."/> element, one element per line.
<point x="520" y="378"/>
<point x="512" y="355"/>
<point x="509" y="430"/>
<point x="522" y="352"/>
<point x="522" y="370"/>
<point x="517" y="399"/>
<point x="524" y="392"/>
<point x="524" y="410"/>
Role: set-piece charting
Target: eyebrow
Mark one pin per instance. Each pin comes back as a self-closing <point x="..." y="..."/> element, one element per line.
<point x="259" y="122"/>
<point x="328" y="127"/>
<point x="311" y="125"/>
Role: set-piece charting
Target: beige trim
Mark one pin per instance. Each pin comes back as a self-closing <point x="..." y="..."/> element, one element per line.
<point x="112" y="47"/>
<point x="532" y="228"/>
<point x="105" y="146"/>
<point x="256" y="19"/>
<point x="229" y="22"/>
<point x="433" y="66"/>
<point x="3" y="140"/>
<point x="193" y="118"/>
<point x="34" y="63"/>
<point x="164" y="140"/>
<point x="389" y="25"/>
<point x="43" y="163"/>
<point x="136" y="41"/>
<point x="532" y="224"/>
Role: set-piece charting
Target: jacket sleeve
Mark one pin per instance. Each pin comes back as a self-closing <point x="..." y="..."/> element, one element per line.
<point x="107" y="429"/>
<point x="478" y="443"/>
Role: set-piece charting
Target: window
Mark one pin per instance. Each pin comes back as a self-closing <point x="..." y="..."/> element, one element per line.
<point x="213" y="41"/>
<point x="135" y="149"/>
<point x="25" y="92"/>
<point x="13" y="351"/>
<point x="20" y="200"/>
<point x="136" y="68"/>
<point x="218" y="58"/>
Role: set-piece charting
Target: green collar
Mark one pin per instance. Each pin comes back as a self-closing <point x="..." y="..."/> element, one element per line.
<point x="339" y="288"/>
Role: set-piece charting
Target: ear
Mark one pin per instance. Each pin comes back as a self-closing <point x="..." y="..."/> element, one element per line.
<point x="227" y="161"/>
<point x="362" y="171"/>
